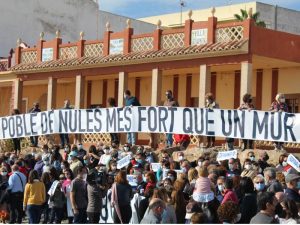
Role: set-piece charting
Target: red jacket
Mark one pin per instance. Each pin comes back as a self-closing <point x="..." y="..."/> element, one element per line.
<point x="179" y="138"/>
<point x="230" y="196"/>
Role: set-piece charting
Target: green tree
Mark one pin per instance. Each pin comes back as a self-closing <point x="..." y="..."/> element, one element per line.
<point x="255" y="16"/>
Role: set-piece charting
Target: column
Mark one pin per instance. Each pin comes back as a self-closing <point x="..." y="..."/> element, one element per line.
<point x="155" y="101"/>
<point x="123" y="84"/>
<point x="204" y="84"/>
<point x="18" y="93"/>
<point x="156" y="87"/>
<point x="79" y="92"/>
<point x="51" y="95"/>
<point x="246" y="79"/>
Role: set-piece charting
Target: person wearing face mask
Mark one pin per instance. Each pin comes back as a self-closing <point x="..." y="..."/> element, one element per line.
<point x="131" y="101"/>
<point x="259" y="184"/>
<point x="106" y="157"/>
<point x="210" y="104"/>
<point x="248" y="169"/>
<point x="220" y="188"/>
<point x="293" y="186"/>
<point x="170" y="102"/>
<point x="251" y="156"/>
<point x="78" y="196"/>
<point x="279" y="105"/>
<point x="266" y="203"/>
<point x="39" y="164"/>
<point x="150" y="180"/>
<point x="229" y="193"/>
<point x="47" y="166"/>
<point x="282" y="163"/>
<point x="67" y="190"/>
<point x="75" y="163"/>
<point x="273" y="185"/>
<point x="232" y="168"/>
<point x="156" y="210"/>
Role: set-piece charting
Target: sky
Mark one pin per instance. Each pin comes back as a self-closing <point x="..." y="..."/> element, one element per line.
<point x="145" y="8"/>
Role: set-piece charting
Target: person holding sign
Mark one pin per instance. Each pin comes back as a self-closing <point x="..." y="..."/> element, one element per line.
<point x="170" y="102"/>
<point x="34" y="139"/>
<point x="210" y="104"/>
<point x="131" y="101"/>
<point x="279" y="105"/>
<point x="247" y="105"/>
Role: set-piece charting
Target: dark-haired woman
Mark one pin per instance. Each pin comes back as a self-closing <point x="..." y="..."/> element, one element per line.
<point x="34" y="197"/>
<point x="121" y="197"/>
<point x="247" y="105"/>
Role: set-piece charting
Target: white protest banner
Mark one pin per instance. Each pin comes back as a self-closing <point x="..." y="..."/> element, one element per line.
<point x="255" y="125"/>
<point x="294" y="162"/>
<point x="123" y="162"/>
<point x="155" y="166"/>
<point x="132" y="180"/>
<point x="227" y="155"/>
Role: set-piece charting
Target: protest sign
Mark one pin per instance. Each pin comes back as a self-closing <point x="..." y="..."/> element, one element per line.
<point x="255" y="125"/>
<point x="132" y="180"/>
<point x="294" y="162"/>
<point x="227" y="155"/>
<point x="155" y="166"/>
<point x="123" y="162"/>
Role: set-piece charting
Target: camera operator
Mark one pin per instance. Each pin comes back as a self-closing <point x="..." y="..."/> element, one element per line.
<point x="96" y="190"/>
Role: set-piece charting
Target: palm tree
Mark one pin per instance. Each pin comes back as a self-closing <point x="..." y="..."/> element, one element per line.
<point x="244" y="15"/>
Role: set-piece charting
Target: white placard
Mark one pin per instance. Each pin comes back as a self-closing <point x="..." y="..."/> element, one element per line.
<point x="116" y="46"/>
<point x="294" y="162"/>
<point x="123" y="162"/>
<point x="227" y="155"/>
<point x="132" y="180"/>
<point x="165" y="172"/>
<point x="199" y="37"/>
<point x="155" y="166"/>
<point x="47" y="54"/>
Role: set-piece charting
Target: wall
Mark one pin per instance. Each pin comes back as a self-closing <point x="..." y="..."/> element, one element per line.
<point x="225" y="90"/>
<point x="5" y="98"/>
<point x="27" y="19"/>
<point x="286" y="75"/>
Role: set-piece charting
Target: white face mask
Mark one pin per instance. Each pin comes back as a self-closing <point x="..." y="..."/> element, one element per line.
<point x="248" y="166"/>
<point x="284" y="163"/>
<point x="3" y="173"/>
<point x="126" y="149"/>
<point x="199" y="163"/>
<point x="180" y="158"/>
<point x="106" y="151"/>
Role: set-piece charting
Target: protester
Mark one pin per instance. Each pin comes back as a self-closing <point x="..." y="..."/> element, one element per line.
<point x="247" y="105"/>
<point x="64" y="138"/>
<point x="156" y="209"/>
<point x="210" y="104"/>
<point x="170" y="102"/>
<point x="131" y="101"/>
<point x="273" y="185"/>
<point x="279" y="105"/>
<point x="229" y="212"/>
<point x="16" y="141"/>
<point x="293" y="187"/>
<point x="35" y="139"/>
<point x="290" y="214"/>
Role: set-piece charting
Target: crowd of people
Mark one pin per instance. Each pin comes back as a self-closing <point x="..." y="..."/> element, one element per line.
<point x="88" y="186"/>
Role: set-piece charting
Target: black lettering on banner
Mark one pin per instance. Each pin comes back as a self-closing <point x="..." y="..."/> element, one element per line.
<point x="19" y="127"/>
<point x="262" y="126"/>
<point x="187" y="117"/>
<point x="63" y="120"/>
<point x="141" y="119"/>
<point x="111" y="119"/>
<point x="89" y="121"/>
<point x="11" y="127"/>
<point x="209" y="122"/>
<point x="98" y="120"/>
<point x="173" y="110"/>
<point x="152" y="119"/>
<point x="201" y="112"/>
<point x="288" y="127"/>
<point x="51" y="122"/>
<point x="127" y="118"/>
<point x="239" y="123"/>
<point x="33" y="123"/>
<point x="120" y="120"/>
<point x="81" y="130"/>
<point x="224" y="122"/>
<point x="279" y="126"/>
<point x="162" y="119"/>
<point x="4" y="125"/>
<point x="27" y="133"/>
<point x="73" y="128"/>
<point x="44" y="122"/>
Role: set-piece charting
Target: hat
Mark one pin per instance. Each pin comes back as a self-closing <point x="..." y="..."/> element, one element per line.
<point x="291" y="177"/>
<point x="203" y="192"/>
<point x="191" y="208"/>
<point x="73" y="154"/>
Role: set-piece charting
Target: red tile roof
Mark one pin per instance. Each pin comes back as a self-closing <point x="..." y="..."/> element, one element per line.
<point x="134" y="56"/>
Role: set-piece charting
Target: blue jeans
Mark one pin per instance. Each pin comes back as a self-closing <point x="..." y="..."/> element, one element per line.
<point x="34" y="213"/>
<point x="131" y="138"/>
<point x="170" y="140"/>
<point x="81" y="217"/>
